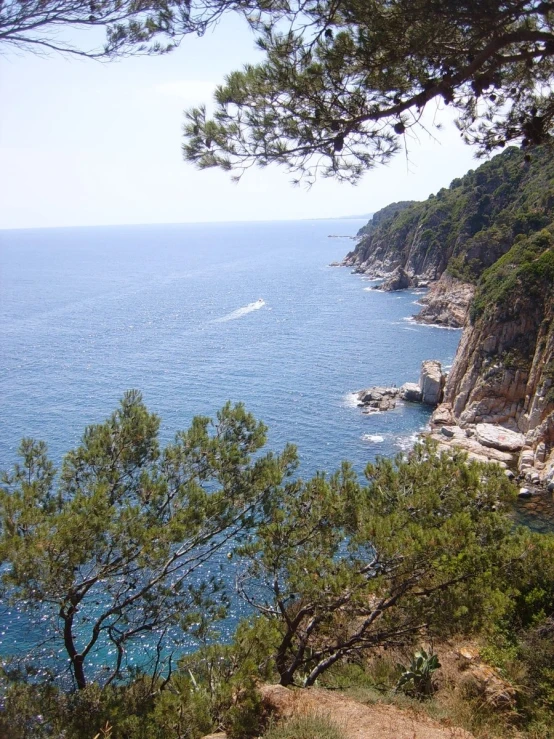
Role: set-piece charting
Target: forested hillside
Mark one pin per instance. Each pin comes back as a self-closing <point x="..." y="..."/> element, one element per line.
<point x="464" y="228"/>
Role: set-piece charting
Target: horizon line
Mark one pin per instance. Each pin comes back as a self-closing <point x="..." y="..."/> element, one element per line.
<point x="362" y="217"/>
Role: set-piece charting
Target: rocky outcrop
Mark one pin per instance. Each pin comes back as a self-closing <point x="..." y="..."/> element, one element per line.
<point x="463" y="229"/>
<point x="446" y="303"/>
<point x="399" y="280"/>
<point x="392" y="242"/>
<point x="464" y="439"/>
<point x="411" y="391"/>
<point x="487" y="245"/>
<point x="501" y="375"/>
<point x="501" y="385"/>
<point x="431" y="382"/>
<point x="498" y="437"/>
<point x="480" y="679"/>
<point x="428" y="390"/>
<point x="378" y="398"/>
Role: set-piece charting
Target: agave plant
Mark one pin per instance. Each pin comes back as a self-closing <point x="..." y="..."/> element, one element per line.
<point x="417" y="679"/>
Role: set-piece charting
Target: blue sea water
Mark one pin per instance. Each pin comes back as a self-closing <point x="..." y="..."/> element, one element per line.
<point x="195" y="315"/>
<point x="86" y="314"/>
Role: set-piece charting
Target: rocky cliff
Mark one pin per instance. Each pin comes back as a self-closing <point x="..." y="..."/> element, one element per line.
<point x="503" y="373"/>
<point x="446" y="302"/>
<point x="455" y="235"/>
<point x="486" y="245"/>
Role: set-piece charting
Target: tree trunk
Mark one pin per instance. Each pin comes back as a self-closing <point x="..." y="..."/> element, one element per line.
<point x="77" y="660"/>
<point x="79" y="672"/>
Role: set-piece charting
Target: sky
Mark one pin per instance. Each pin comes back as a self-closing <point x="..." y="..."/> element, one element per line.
<point x="87" y="143"/>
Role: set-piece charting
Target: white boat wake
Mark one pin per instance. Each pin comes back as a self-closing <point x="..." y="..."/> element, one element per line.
<point x="240" y="312"/>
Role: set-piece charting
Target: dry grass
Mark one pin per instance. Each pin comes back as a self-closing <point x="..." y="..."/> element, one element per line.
<point x="455" y="703"/>
<point x="354" y="719"/>
<point x="311" y="726"/>
<point x="362" y="701"/>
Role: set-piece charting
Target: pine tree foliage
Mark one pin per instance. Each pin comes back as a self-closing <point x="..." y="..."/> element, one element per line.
<point x="131" y="26"/>
<point x="344" y="82"/>
<point x="338" y="569"/>
<point x="131" y="542"/>
<point x="108" y="552"/>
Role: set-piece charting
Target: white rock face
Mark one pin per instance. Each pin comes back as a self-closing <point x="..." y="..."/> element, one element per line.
<point x="526" y="459"/>
<point x="410" y="391"/>
<point x="458" y="438"/>
<point x="431" y="382"/>
<point x="498" y="437"/>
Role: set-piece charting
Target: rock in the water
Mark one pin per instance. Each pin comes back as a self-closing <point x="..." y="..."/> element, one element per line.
<point x="411" y="391"/>
<point x="431" y="382"/>
<point x="524" y="493"/>
<point x="499" y="437"/>
<point x="378" y="399"/>
<point x="399" y="280"/>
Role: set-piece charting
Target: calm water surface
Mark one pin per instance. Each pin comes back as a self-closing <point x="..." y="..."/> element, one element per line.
<point x="195" y="315"/>
<point x="174" y="311"/>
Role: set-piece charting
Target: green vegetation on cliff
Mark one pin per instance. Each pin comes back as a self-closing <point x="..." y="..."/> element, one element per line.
<point x="528" y="268"/>
<point x="466" y="228"/>
<point x="489" y="237"/>
<point x="384" y="215"/>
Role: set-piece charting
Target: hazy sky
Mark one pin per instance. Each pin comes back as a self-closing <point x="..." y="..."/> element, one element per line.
<point x="89" y="143"/>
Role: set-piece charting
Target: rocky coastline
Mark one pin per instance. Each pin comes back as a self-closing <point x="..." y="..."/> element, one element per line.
<point x="428" y="390"/>
<point x="446" y="300"/>
<point x="484" y="248"/>
<point x="491" y="406"/>
<point x="488" y="406"/>
<point x="484" y="441"/>
<point x="446" y="303"/>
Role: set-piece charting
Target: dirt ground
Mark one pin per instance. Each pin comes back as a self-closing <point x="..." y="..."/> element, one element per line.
<point x="357" y="720"/>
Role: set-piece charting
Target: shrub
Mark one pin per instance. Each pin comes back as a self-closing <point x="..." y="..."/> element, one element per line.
<point x="417" y="679"/>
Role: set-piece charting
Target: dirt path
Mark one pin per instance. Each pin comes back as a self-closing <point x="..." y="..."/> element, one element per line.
<point x="357" y="720"/>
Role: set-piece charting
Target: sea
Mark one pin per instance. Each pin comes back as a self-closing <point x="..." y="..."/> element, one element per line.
<point x="194" y="315"/>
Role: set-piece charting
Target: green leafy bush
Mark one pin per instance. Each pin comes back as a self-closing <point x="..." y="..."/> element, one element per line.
<point x="417" y="678"/>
